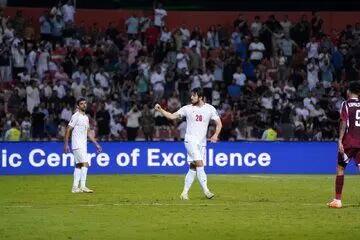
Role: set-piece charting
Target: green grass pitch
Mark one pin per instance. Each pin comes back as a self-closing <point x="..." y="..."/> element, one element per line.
<point x="148" y="207"/>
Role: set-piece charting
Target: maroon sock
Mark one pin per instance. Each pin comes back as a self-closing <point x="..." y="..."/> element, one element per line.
<point x="339" y="183"/>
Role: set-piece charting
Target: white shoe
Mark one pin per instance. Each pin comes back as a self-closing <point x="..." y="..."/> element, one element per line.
<point x="335" y="204"/>
<point x="86" y="190"/>
<point x="184" y="196"/>
<point x="75" y="190"/>
<point x="209" y="195"/>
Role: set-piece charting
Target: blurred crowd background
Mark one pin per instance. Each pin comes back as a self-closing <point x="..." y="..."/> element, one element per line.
<point x="269" y="78"/>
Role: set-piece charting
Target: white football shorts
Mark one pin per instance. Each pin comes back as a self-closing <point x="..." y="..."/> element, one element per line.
<point x="80" y="156"/>
<point x="195" y="152"/>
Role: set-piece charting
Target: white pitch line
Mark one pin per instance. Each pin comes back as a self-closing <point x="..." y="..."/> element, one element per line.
<point x="90" y="205"/>
<point x="173" y="204"/>
<point x="17" y="206"/>
<point x="127" y="204"/>
<point x="285" y="176"/>
<point x="262" y="176"/>
<point x="169" y="204"/>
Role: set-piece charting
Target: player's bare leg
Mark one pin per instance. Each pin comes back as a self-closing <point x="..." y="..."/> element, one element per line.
<point x="189" y="179"/>
<point x="77" y="176"/>
<point x="201" y="175"/>
<point x="339" y="183"/>
<point x="84" y="170"/>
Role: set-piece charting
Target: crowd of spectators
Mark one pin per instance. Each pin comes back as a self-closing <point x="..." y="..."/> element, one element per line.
<point x="260" y="74"/>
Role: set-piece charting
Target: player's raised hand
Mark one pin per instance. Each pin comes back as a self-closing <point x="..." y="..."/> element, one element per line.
<point x="66" y="148"/>
<point x="157" y="107"/>
<point x="214" y="138"/>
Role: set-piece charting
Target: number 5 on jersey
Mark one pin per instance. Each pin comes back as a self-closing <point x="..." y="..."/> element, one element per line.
<point x="357" y="116"/>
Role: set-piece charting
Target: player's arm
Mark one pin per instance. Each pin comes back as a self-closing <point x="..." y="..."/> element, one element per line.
<point x="218" y="128"/>
<point x="93" y="140"/>
<point x="342" y="129"/>
<point x="168" y="115"/>
<point x="66" y="139"/>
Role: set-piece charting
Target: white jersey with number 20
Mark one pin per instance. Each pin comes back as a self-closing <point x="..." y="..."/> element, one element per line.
<point x="197" y="121"/>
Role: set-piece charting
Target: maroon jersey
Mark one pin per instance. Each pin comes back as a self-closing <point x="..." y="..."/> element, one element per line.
<point x="350" y="114"/>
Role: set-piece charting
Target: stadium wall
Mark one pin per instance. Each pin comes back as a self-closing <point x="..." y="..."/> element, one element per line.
<point x="204" y="19"/>
<point x="22" y="158"/>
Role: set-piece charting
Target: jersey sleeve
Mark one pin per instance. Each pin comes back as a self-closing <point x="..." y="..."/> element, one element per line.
<point x="182" y="111"/>
<point x="73" y="120"/>
<point x="343" y="112"/>
<point x="214" y="114"/>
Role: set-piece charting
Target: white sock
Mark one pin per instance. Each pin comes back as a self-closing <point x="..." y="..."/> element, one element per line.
<point x="83" y="176"/>
<point x="201" y="175"/>
<point x="77" y="176"/>
<point x="189" y="179"/>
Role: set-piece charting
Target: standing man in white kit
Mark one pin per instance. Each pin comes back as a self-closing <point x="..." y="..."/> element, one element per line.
<point x="198" y="115"/>
<point x="79" y="129"/>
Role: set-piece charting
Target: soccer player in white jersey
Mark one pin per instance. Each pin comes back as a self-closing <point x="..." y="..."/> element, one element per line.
<point x="198" y="115"/>
<point x="79" y="129"/>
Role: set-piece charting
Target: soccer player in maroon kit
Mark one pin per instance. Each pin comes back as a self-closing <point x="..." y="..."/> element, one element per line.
<point x="349" y="139"/>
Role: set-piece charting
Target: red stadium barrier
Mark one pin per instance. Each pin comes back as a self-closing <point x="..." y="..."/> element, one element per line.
<point x="203" y="19"/>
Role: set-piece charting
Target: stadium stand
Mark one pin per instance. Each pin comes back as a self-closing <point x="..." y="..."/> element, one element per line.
<point x="260" y="73"/>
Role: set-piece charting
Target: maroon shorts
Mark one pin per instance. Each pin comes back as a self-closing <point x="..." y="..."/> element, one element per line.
<point x="349" y="153"/>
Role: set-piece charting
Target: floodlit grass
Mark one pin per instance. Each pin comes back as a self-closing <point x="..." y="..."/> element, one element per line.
<point x="148" y="207"/>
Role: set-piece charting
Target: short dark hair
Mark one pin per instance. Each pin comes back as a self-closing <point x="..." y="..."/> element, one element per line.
<point x="13" y="124"/>
<point x="79" y="101"/>
<point x="354" y="87"/>
<point x="198" y="91"/>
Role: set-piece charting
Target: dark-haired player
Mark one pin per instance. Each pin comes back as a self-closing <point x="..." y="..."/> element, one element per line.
<point x="79" y="129"/>
<point x="198" y="115"/>
<point x="349" y="139"/>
